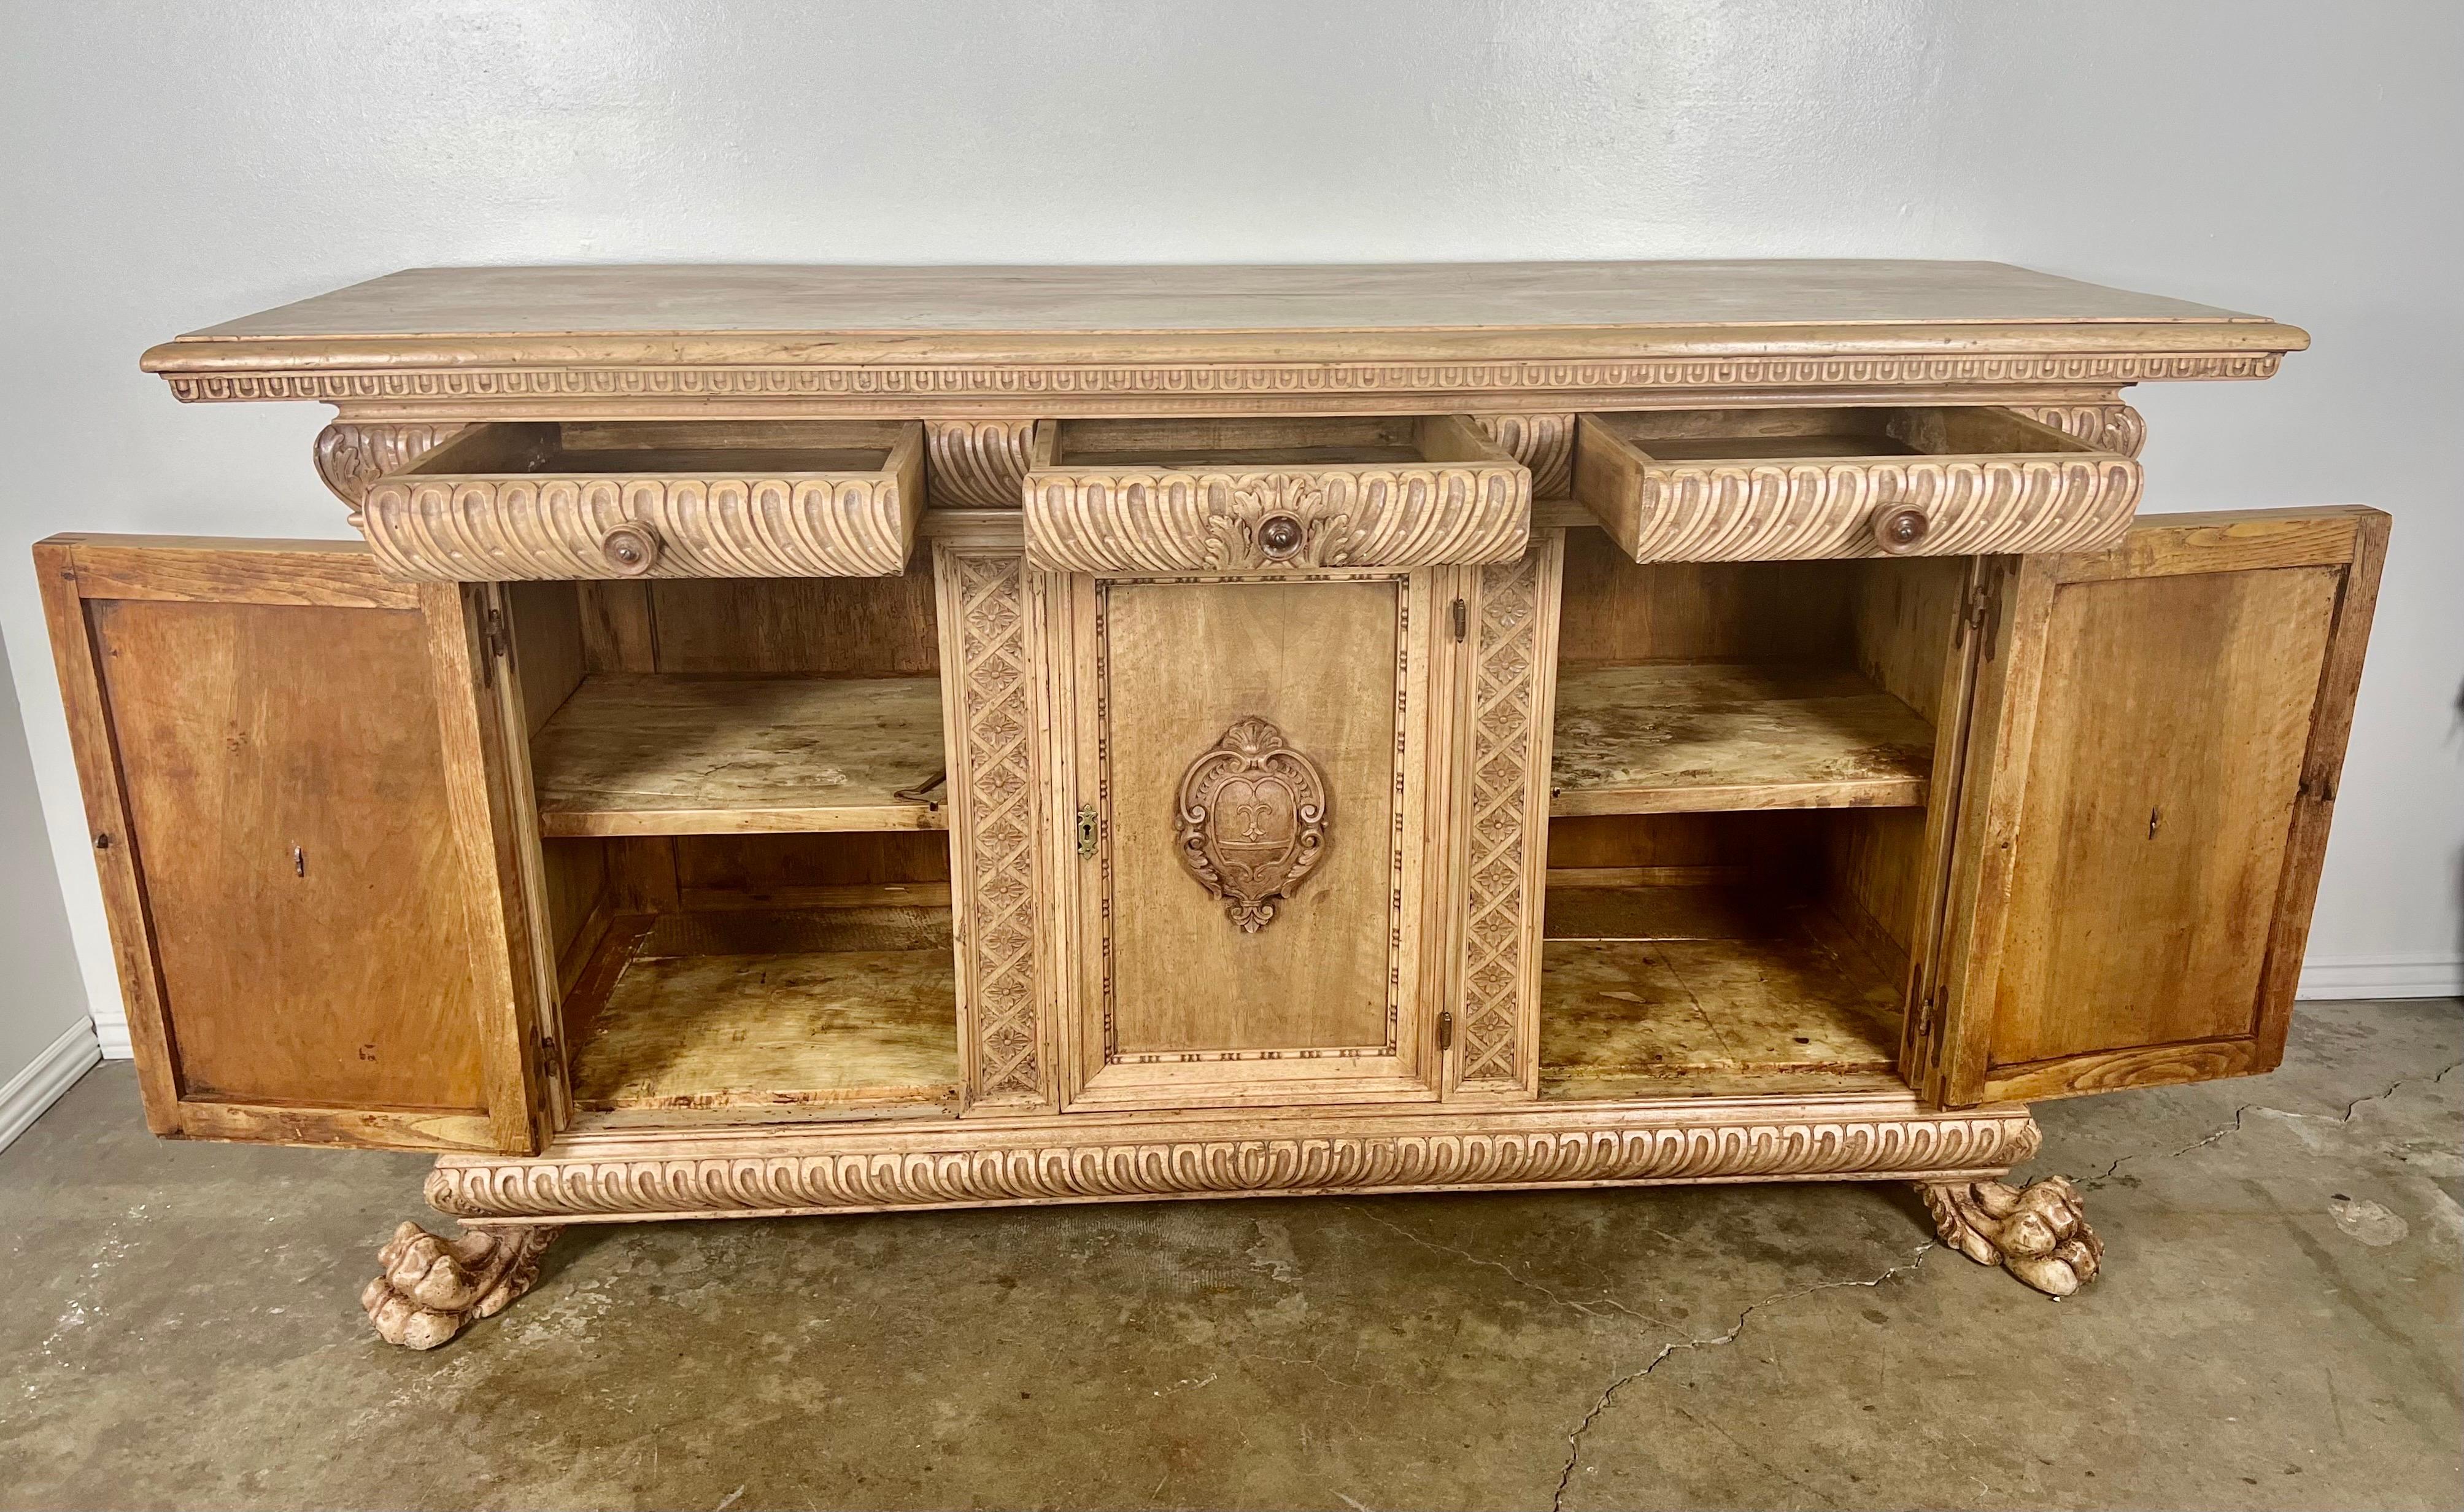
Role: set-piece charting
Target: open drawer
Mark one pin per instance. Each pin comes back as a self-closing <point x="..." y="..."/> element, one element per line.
<point x="656" y="498"/>
<point x="1732" y="486"/>
<point x="1125" y="496"/>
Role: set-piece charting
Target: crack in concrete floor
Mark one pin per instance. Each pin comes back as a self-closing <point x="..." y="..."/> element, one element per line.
<point x="1575" y="1439"/>
<point x="2234" y="1125"/>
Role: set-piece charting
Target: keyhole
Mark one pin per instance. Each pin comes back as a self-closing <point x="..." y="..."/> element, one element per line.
<point x="299" y="862"/>
<point x="2155" y="817"/>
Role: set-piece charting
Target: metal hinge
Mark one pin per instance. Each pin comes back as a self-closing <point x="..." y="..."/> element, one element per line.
<point x="1983" y="603"/>
<point x="1463" y="619"/>
<point x="1085" y="834"/>
<point x="494" y="645"/>
<point x="551" y="1061"/>
<point x="1446" y="1032"/>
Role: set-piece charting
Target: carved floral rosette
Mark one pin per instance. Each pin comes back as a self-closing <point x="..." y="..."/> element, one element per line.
<point x="1251" y="821"/>
<point x="1088" y="1167"/>
<point x="1165" y="520"/>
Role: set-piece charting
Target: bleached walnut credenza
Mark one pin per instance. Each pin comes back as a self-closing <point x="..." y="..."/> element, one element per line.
<point x="833" y="740"/>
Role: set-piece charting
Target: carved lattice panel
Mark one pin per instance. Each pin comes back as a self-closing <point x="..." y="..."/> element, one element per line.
<point x="1497" y="1047"/>
<point x="989" y="679"/>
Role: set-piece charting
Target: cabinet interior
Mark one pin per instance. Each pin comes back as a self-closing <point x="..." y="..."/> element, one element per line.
<point x="746" y="878"/>
<point x="1744" y="756"/>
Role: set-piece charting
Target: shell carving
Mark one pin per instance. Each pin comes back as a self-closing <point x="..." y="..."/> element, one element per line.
<point x="1252" y="821"/>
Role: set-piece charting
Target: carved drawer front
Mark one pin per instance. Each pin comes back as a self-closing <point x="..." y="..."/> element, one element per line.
<point x="1271" y="495"/>
<point x="769" y="499"/>
<point x="1731" y="485"/>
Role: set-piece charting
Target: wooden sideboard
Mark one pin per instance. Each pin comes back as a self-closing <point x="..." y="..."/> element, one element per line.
<point x="827" y="740"/>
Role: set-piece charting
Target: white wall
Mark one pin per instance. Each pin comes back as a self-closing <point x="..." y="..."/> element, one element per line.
<point x="45" y="1041"/>
<point x="169" y="164"/>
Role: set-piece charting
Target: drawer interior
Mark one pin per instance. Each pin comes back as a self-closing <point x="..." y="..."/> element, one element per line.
<point x="1267" y="442"/>
<point x="1697" y="435"/>
<point x="630" y="448"/>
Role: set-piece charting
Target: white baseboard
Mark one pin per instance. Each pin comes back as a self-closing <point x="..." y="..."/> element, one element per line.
<point x="2417" y="976"/>
<point x="39" y="1085"/>
<point x="113" y="1034"/>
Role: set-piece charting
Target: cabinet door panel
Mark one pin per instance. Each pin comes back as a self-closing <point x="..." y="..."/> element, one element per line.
<point x="311" y="943"/>
<point x="2156" y="737"/>
<point x="1197" y="994"/>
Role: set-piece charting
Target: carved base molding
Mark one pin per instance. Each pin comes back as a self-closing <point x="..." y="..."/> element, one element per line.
<point x="2039" y="1232"/>
<point x="1093" y="1158"/>
<point x="427" y="1287"/>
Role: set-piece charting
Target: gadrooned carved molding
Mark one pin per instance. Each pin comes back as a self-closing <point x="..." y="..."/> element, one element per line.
<point x="1508" y="760"/>
<point x="1544" y="443"/>
<point x="993" y="785"/>
<point x="1167" y="520"/>
<point x="2039" y="1232"/>
<point x="427" y="1288"/>
<point x="1089" y="1168"/>
<point x="1784" y="511"/>
<point x="2107" y="427"/>
<point x="945" y="381"/>
<point x="351" y="457"/>
<point x="487" y="528"/>
<point x="1251" y="824"/>
<point x="979" y="464"/>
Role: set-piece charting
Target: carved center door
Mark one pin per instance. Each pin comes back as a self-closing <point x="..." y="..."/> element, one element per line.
<point x="1253" y="763"/>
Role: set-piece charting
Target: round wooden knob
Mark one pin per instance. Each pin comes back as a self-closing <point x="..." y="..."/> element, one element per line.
<point x="1898" y="528"/>
<point x="631" y="548"/>
<point x="1279" y="535"/>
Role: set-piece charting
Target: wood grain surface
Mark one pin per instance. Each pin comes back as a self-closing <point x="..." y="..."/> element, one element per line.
<point x="650" y="754"/>
<point x="1671" y="738"/>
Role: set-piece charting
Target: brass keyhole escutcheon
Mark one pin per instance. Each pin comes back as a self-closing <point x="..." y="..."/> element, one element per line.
<point x="1899" y="528"/>
<point x="631" y="548"/>
<point x="1279" y="536"/>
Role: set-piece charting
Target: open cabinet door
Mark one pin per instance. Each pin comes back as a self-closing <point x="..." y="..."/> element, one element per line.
<point x="294" y="777"/>
<point x="2153" y="745"/>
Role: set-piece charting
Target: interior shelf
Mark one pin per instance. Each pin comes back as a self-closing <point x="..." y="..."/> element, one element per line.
<point x="1693" y="737"/>
<point x="668" y="754"/>
<point x="837" y="1010"/>
<point x="1649" y="992"/>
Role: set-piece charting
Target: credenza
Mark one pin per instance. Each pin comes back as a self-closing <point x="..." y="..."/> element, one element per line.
<point x="816" y="740"/>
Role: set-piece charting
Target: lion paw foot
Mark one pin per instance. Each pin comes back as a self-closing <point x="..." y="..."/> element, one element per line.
<point x="429" y="1287"/>
<point x="2039" y="1232"/>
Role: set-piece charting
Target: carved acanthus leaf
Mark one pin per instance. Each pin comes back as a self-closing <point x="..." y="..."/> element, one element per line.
<point x="350" y="457"/>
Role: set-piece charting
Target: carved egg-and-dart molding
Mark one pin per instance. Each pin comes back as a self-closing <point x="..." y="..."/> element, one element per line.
<point x="1252" y="821"/>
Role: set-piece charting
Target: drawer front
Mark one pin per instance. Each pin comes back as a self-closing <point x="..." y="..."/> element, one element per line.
<point x="454" y="516"/>
<point x="1901" y="483"/>
<point x="1456" y="499"/>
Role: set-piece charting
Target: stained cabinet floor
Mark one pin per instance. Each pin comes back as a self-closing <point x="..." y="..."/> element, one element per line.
<point x="2280" y="1324"/>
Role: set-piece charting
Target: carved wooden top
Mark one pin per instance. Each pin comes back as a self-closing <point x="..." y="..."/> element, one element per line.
<point x="938" y="336"/>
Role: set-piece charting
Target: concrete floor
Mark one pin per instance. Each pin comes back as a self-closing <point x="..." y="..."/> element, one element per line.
<point x="2279" y="1326"/>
